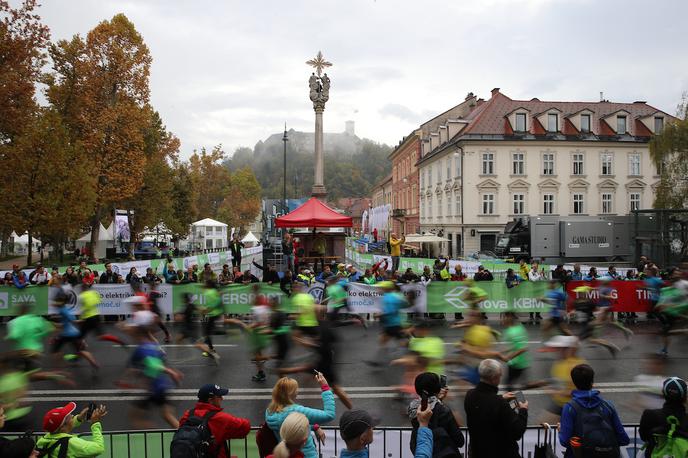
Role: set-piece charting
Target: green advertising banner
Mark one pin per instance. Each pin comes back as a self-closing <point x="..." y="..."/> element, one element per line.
<point x="451" y="297"/>
<point x="11" y="297"/>
<point x="236" y="298"/>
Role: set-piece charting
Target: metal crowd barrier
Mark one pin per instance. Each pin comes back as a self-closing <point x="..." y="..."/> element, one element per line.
<point x="389" y="442"/>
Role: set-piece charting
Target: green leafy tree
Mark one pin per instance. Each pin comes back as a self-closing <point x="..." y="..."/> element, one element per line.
<point x="669" y="151"/>
<point x="241" y="205"/>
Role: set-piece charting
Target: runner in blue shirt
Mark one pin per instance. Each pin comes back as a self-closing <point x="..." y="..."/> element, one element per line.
<point x="69" y="333"/>
<point x="390" y="318"/>
<point x="557" y="298"/>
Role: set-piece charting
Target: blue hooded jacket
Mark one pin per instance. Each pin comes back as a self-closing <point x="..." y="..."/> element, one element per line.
<point x="588" y="399"/>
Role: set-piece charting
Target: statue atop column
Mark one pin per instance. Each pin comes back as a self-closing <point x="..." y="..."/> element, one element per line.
<point x="319" y="86"/>
<point x="318" y="82"/>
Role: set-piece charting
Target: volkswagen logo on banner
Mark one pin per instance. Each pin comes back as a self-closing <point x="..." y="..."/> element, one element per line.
<point x="317" y="290"/>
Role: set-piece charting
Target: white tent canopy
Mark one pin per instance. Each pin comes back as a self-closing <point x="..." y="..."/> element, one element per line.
<point x="250" y="238"/>
<point x="208" y="222"/>
<point x="425" y="238"/>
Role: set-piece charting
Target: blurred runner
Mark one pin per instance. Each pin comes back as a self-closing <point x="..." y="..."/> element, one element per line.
<point x="213" y="310"/>
<point x="428" y="347"/>
<point x="517" y="358"/>
<point x="672" y="306"/>
<point x="90" y="319"/>
<point x="556" y="297"/>
<point x="337" y="298"/>
<point x="390" y="319"/>
<point x="585" y="304"/>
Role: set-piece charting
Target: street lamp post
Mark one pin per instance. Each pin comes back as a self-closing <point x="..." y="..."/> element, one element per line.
<point x="285" y="139"/>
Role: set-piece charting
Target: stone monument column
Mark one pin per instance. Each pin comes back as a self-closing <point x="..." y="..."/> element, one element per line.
<point x="319" y="94"/>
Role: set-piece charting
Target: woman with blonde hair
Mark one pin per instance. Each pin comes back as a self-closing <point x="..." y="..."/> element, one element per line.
<point x="284" y="403"/>
<point x="295" y="431"/>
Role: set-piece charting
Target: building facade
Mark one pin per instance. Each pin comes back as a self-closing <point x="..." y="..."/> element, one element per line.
<point x="405" y="198"/>
<point x="508" y="159"/>
<point x="379" y="215"/>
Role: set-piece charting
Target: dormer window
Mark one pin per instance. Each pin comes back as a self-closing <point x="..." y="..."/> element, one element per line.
<point x="620" y="125"/>
<point x="659" y="124"/>
<point x="585" y="123"/>
<point x="520" y="122"/>
<point x="552" y="122"/>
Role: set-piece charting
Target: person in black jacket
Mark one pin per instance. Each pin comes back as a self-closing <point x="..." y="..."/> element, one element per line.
<point x="447" y="436"/>
<point x="286" y="283"/>
<point x="235" y="248"/>
<point x="270" y="275"/>
<point x="495" y="427"/>
<point x="654" y="421"/>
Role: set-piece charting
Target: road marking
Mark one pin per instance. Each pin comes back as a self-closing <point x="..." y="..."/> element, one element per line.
<point x="185" y="345"/>
<point x="39" y="394"/>
<point x="267" y="396"/>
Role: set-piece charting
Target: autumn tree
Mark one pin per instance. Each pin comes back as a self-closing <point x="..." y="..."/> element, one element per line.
<point x="102" y="86"/>
<point x="210" y="179"/>
<point x="53" y="195"/>
<point x="152" y="204"/>
<point x="183" y="197"/>
<point x="669" y="151"/>
<point x="241" y="205"/>
<point x="23" y="40"/>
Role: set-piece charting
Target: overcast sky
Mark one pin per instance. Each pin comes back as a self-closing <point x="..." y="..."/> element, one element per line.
<point x="233" y="72"/>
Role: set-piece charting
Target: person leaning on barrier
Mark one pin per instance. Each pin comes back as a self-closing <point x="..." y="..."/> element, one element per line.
<point x="59" y="424"/>
<point x="223" y="426"/>
<point x="356" y="429"/>
<point x="493" y="425"/>
<point x="654" y="421"/>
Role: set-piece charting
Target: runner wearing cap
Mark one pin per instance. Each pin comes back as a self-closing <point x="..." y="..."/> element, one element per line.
<point x="59" y="424"/>
<point x="656" y="421"/>
<point x="356" y="429"/>
<point x="560" y="375"/>
<point x="223" y="425"/>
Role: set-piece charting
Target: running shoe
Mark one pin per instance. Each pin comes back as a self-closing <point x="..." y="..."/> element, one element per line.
<point x="259" y="377"/>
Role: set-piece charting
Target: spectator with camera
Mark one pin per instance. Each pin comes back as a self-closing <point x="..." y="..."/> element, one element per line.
<point x="59" y="424"/>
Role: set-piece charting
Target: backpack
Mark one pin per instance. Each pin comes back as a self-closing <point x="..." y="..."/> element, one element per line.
<point x="62" y="453"/>
<point x="669" y="446"/>
<point x="265" y="440"/>
<point x="443" y="445"/>
<point x="594" y="427"/>
<point x="194" y="439"/>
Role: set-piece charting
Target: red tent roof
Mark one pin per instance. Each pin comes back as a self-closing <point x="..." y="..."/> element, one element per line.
<point x="314" y="214"/>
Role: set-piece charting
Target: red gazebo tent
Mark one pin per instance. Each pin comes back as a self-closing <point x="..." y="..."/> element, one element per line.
<point x="314" y="213"/>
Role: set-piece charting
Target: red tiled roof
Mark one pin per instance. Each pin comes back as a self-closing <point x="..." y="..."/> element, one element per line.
<point x="488" y="118"/>
<point x="641" y="129"/>
<point x="569" y="128"/>
<point x="536" y="128"/>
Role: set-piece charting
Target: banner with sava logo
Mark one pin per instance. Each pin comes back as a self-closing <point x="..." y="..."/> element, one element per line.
<point x="11" y="298"/>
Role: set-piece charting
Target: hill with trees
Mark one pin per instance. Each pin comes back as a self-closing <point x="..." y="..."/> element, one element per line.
<point x="352" y="165"/>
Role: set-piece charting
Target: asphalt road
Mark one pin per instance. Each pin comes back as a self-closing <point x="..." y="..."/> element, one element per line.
<point x="370" y="388"/>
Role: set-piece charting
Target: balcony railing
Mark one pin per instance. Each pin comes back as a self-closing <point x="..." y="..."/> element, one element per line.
<point x="398" y="213"/>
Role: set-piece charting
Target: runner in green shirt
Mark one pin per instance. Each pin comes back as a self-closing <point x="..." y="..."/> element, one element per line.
<point x="27" y="331"/>
<point x="517" y="358"/>
<point x="429" y="347"/>
<point x="214" y="309"/>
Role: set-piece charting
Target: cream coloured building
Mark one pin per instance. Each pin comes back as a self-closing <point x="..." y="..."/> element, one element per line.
<point x="511" y="158"/>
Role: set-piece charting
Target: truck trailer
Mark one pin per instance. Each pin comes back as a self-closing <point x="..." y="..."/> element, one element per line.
<point x="565" y="239"/>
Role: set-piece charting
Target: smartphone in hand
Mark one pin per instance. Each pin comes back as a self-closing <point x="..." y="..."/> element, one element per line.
<point x="91" y="409"/>
<point x="520" y="398"/>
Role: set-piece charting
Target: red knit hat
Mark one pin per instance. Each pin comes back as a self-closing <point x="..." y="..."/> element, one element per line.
<point x="55" y="417"/>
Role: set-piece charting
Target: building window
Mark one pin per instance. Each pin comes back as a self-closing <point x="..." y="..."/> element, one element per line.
<point x="621" y="125"/>
<point x="422" y="180"/>
<point x="519" y="204"/>
<point x="606" y="160"/>
<point x="578" y="203"/>
<point x="458" y="165"/>
<point x="659" y="124"/>
<point x="439" y="207"/>
<point x="552" y="122"/>
<point x="548" y="163"/>
<point x="634" y="199"/>
<point x="519" y="164"/>
<point x="488" y="204"/>
<point x="606" y="202"/>
<point x="430" y="208"/>
<point x="449" y="164"/>
<point x="458" y="204"/>
<point x="488" y="163"/>
<point x="520" y="122"/>
<point x="548" y="204"/>
<point x="585" y="123"/>
<point x="449" y="205"/>
<point x="578" y="164"/>
<point x="634" y="164"/>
